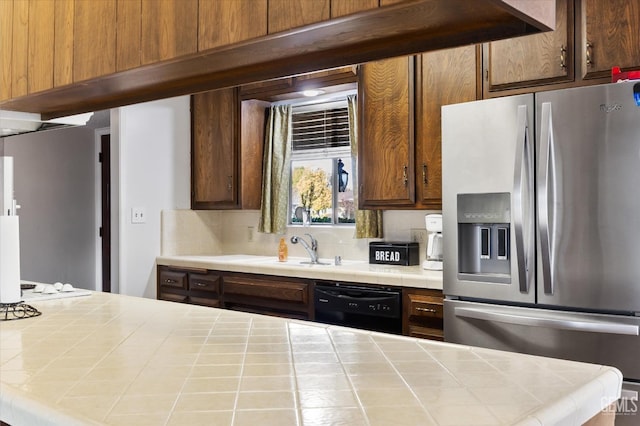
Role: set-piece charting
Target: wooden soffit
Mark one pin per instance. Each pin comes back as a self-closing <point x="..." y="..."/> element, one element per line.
<point x="398" y="30"/>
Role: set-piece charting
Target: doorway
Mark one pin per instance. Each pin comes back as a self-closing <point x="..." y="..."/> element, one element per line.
<point x="105" y="210"/>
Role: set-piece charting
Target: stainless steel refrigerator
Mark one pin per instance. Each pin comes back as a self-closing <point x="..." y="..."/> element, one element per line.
<point x="541" y="221"/>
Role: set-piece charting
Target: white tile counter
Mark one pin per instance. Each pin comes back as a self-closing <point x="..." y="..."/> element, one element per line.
<point x="350" y="270"/>
<point x="119" y="360"/>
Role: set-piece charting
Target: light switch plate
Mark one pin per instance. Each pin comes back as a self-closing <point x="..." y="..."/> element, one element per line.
<point x="138" y="215"/>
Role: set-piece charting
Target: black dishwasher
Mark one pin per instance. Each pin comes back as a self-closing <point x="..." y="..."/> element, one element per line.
<point x="359" y="306"/>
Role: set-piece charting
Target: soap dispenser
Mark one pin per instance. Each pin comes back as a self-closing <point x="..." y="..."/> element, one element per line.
<point x="283" y="250"/>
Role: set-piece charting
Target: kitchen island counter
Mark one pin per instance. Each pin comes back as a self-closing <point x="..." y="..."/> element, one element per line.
<point x="349" y="271"/>
<point x="113" y="359"/>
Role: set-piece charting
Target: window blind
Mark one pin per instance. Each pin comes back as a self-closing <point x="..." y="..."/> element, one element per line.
<point x="322" y="128"/>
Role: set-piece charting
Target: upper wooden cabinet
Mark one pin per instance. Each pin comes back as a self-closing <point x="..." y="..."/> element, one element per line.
<point x="443" y="77"/>
<point x="610" y="33"/>
<point x="169" y="29"/>
<point x="224" y="22"/>
<point x="63" y="42"/>
<point x="533" y="60"/>
<point x="94" y="40"/>
<point x="6" y="39"/>
<point x="386" y="140"/>
<point x="591" y="37"/>
<point x="399" y="149"/>
<point x="111" y="53"/>
<point x="226" y="154"/>
<point x="287" y="14"/>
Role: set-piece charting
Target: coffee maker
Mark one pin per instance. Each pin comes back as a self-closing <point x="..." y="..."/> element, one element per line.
<point x="434" y="242"/>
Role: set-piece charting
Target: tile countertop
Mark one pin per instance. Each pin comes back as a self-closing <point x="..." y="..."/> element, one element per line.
<point x="350" y="270"/>
<point x="113" y="359"/>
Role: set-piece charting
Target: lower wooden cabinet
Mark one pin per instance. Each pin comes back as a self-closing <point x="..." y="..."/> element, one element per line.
<point x="289" y="297"/>
<point x="278" y="296"/>
<point x="422" y="313"/>
<point x="195" y="286"/>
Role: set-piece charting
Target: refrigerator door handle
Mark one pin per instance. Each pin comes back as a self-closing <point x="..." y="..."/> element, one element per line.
<point x="555" y="323"/>
<point x="544" y="178"/>
<point x="523" y="163"/>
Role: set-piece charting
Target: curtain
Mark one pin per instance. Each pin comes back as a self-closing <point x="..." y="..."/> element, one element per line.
<point x="368" y="222"/>
<point x="276" y="172"/>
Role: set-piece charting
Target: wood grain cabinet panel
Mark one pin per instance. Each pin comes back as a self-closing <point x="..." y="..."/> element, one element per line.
<point x="169" y="29"/>
<point x="533" y="60"/>
<point x="346" y="7"/>
<point x="610" y="32"/>
<point x="287" y="14"/>
<point x="6" y="40"/>
<point x="41" y="44"/>
<point x="443" y="77"/>
<point x="94" y="49"/>
<point x="222" y="22"/>
<point x="63" y="42"/>
<point x="20" y="49"/>
<point x="129" y="31"/>
<point x="386" y="141"/>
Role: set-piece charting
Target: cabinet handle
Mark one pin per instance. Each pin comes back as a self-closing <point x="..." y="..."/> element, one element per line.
<point x="563" y="51"/>
<point x="201" y="284"/>
<point x="424" y="173"/>
<point x="170" y="281"/>
<point x="589" y="52"/>
<point x="229" y="185"/>
<point x="433" y="311"/>
<point x="405" y="176"/>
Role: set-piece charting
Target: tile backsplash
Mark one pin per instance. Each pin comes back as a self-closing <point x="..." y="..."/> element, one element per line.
<point x="215" y="232"/>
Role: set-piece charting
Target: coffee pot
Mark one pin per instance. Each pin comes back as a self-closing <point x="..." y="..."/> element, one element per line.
<point x="434" y="242"/>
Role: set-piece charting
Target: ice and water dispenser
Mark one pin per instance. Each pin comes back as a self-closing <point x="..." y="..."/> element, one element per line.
<point x="484" y="235"/>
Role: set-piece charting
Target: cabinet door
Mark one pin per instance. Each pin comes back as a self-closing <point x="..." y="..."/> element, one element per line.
<point x="287" y="14"/>
<point x="94" y="42"/>
<point x="346" y="7"/>
<point x="6" y="38"/>
<point x="63" y="43"/>
<point x="19" y="57"/>
<point x="215" y="149"/>
<point x="610" y="36"/>
<point x="41" y="34"/>
<point x="533" y="60"/>
<point x="224" y="22"/>
<point x="128" y="51"/>
<point x="442" y="77"/>
<point x="168" y="29"/>
<point x="252" y="130"/>
<point x="423" y="314"/>
<point x="386" y="141"/>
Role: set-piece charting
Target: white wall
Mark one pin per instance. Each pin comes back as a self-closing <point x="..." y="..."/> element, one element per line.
<point x="54" y="184"/>
<point x="151" y="148"/>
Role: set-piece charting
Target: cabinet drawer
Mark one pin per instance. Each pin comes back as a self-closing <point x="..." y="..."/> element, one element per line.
<point x="204" y="301"/>
<point x="426" y="333"/>
<point x="205" y="282"/>
<point x="173" y="297"/>
<point x="425" y="306"/>
<point x="275" y="290"/>
<point x="173" y="279"/>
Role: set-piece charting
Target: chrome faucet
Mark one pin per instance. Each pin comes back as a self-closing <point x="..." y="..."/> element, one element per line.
<point x="312" y="250"/>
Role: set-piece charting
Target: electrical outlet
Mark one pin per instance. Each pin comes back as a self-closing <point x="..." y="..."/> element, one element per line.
<point x="250" y="235"/>
<point x="419" y="236"/>
<point x="138" y="215"/>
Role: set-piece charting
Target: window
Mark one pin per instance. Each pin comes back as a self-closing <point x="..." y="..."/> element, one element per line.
<point x="321" y="169"/>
